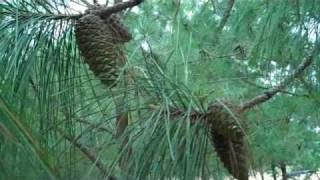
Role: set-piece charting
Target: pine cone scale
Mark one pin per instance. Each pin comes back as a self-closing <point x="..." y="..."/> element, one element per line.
<point x="100" y="42"/>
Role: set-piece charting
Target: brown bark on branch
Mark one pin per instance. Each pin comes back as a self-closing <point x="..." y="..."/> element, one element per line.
<point x="107" y="11"/>
<point x="103" y="11"/>
<point x="282" y="85"/>
<point x="265" y="88"/>
<point x="226" y="15"/>
<point x="91" y="155"/>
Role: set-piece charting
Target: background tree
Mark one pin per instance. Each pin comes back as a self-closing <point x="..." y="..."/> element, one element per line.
<point x="194" y="76"/>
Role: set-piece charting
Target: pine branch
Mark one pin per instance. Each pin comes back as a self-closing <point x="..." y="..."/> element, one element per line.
<point x="26" y="15"/>
<point x="103" y="12"/>
<point x="107" y="11"/>
<point x="265" y="88"/>
<point x="283" y="84"/>
<point x="91" y="155"/>
<point x="226" y="15"/>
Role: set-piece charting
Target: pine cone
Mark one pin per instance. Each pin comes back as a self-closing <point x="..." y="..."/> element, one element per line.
<point x="101" y="43"/>
<point x="228" y="138"/>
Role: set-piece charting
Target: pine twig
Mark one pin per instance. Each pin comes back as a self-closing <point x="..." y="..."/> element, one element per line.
<point x="85" y="150"/>
<point x="281" y="91"/>
<point x="104" y="12"/>
<point x="226" y="15"/>
<point x="283" y="84"/>
<point x="91" y="155"/>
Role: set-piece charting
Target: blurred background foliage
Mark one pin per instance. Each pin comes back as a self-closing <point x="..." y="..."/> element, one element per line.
<point x="58" y="121"/>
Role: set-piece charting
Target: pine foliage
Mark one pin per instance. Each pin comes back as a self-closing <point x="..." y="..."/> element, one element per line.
<point x="178" y="72"/>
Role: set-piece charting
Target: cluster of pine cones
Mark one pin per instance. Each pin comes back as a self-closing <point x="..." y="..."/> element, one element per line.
<point x="101" y="40"/>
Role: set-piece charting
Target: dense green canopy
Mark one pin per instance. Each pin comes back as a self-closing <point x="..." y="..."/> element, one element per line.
<point x="58" y="119"/>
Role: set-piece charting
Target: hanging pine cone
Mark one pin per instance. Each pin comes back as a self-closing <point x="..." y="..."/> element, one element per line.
<point x="228" y="138"/>
<point x="100" y="41"/>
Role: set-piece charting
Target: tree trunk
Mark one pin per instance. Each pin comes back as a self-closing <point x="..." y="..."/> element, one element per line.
<point x="274" y="173"/>
<point x="283" y="168"/>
